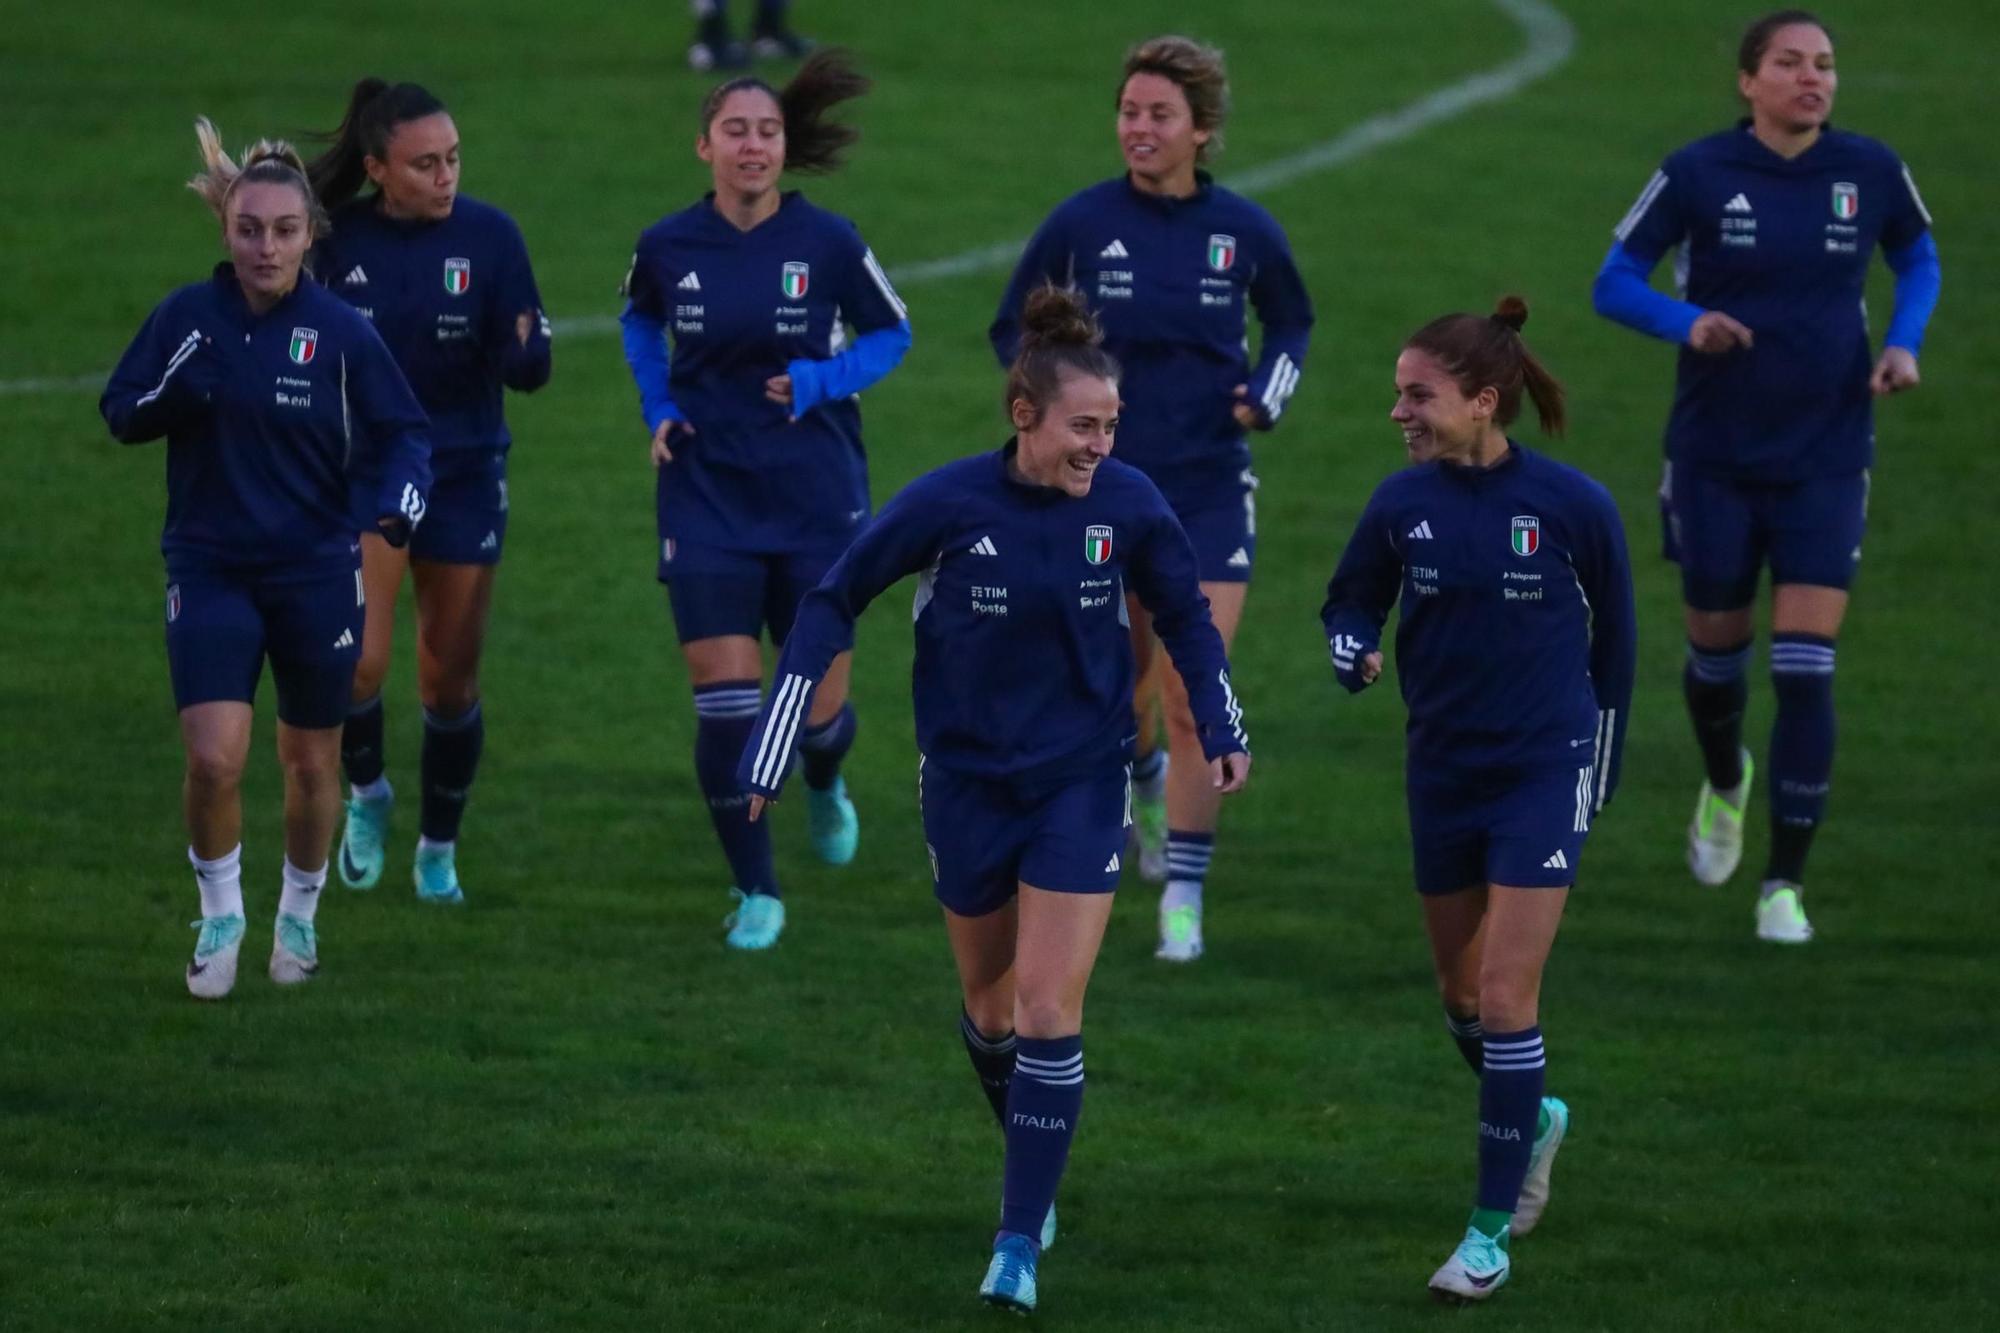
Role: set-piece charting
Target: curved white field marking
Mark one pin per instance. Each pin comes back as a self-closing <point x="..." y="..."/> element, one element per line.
<point x="1550" y="41"/>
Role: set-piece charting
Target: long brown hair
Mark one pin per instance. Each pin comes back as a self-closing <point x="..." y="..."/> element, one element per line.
<point x="1481" y="350"/>
<point x="812" y="142"/>
<point x="374" y="109"/>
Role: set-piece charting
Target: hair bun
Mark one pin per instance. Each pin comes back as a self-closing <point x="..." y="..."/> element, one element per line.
<point x="1511" y="311"/>
<point x="1059" y="315"/>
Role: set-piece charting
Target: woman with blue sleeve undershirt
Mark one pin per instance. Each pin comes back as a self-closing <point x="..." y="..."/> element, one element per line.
<point x="1772" y="433"/>
<point x="757" y="436"/>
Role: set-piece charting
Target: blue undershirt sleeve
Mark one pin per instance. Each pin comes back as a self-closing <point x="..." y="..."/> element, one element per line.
<point x="1919" y="279"/>
<point x="1622" y="293"/>
<point x="646" y="353"/>
<point x="867" y="360"/>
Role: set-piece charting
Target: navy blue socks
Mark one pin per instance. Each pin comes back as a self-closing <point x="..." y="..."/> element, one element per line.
<point x="1043" y="1100"/>
<point x="1716" y="689"/>
<point x="452" y="746"/>
<point x="992" y="1060"/>
<point x="1510" y="1102"/>
<point x="361" y="743"/>
<point x="1470" y="1038"/>
<point x="1801" y="748"/>
<point x="725" y="715"/>
<point x="822" y="748"/>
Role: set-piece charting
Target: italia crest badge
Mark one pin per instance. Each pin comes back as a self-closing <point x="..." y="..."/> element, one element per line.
<point x="457" y="276"/>
<point x="1221" y="252"/>
<point x="1097" y="543"/>
<point x="1527" y="534"/>
<point x="304" y="343"/>
<point x="1846" y="200"/>
<point x="797" y="277"/>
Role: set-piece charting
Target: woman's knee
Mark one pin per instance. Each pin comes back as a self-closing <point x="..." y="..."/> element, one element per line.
<point x="1508" y="998"/>
<point x="214" y="764"/>
<point x="1049" y="1013"/>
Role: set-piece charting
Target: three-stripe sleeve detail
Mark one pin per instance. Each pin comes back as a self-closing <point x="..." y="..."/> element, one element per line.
<point x="187" y="349"/>
<point x="1278" y="389"/>
<point x="774" y="749"/>
<point x="874" y="267"/>
<point x="1645" y="201"/>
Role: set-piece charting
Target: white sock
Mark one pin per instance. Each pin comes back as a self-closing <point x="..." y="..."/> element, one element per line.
<point x="1181" y="893"/>
<point x="378" y="790"/>
<point x="220" y="882"/>
<point x="433" y="845"/>
<point x="301" y="893"/>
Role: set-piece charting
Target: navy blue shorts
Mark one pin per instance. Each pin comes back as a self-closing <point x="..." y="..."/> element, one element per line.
<point x="1223" y="530"/>
<point x="1525" y="830"/>
<point x="1722" y="532"/>
<point x="221" y="627"/>
<point x="987" y="835"/>
<point x="716" y="592"/>
<point x="465" y="522"/>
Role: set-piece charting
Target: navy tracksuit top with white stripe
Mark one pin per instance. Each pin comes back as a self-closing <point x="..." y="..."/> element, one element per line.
<point x="741" y="307"/>
<point x="1518" y="640"/>
<point x="1169" y="279"/>
<point x="1781" y="244"/>
<point x="287" y="432"/>
<point x="1024" y="655"/>
<point x="445" y="296"/>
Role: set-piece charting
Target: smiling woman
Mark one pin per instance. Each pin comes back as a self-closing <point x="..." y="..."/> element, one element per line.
<point x="756" y="434"/>
<point x="289" y="429"/>
<point x="1023" y="687"/>
<point x="1171" y="264"/>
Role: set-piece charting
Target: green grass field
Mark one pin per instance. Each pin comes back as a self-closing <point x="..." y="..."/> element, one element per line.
<point x="567" y="1107"/>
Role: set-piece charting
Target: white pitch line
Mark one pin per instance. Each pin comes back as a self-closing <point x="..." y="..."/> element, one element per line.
<point x="1550" y="41"/>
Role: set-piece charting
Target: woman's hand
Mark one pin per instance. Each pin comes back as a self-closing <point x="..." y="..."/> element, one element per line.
<point x="1230" y="772"/>
<point x="1714" y="333"/>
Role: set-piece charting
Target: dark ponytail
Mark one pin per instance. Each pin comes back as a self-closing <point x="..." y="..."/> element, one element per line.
<point x="374" y="110"/>
<point x="812" y="142"/>
<point x="1058" y="333"/>
<point x="1482" y="350"/>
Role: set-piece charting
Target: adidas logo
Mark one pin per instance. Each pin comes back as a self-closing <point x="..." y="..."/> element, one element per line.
<point x="492" y="542"/>
<point x="691" y="283"/>
<point x="1421" y="532"/>
<point x="1241" y="560"/>
<point x="1112" y="868"/>
<point x="984" y="546"/>
<point x="1556" y="862"/>
<point x="1739" y="204"/>
<point x="355" y="278"/>
<point x="1115" y="250"/>
<point x="346" y="639"/>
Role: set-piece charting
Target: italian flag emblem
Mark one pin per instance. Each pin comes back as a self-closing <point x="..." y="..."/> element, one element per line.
<point x="458" y="276"/>
<point x="796" y="278"/>
<point x="1097" y="543"/>
<point x="1527" y="534"/>
<point x="1221" y="252"/>
<point x="1846" y="200"/>
<point x="304" y="343"/>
